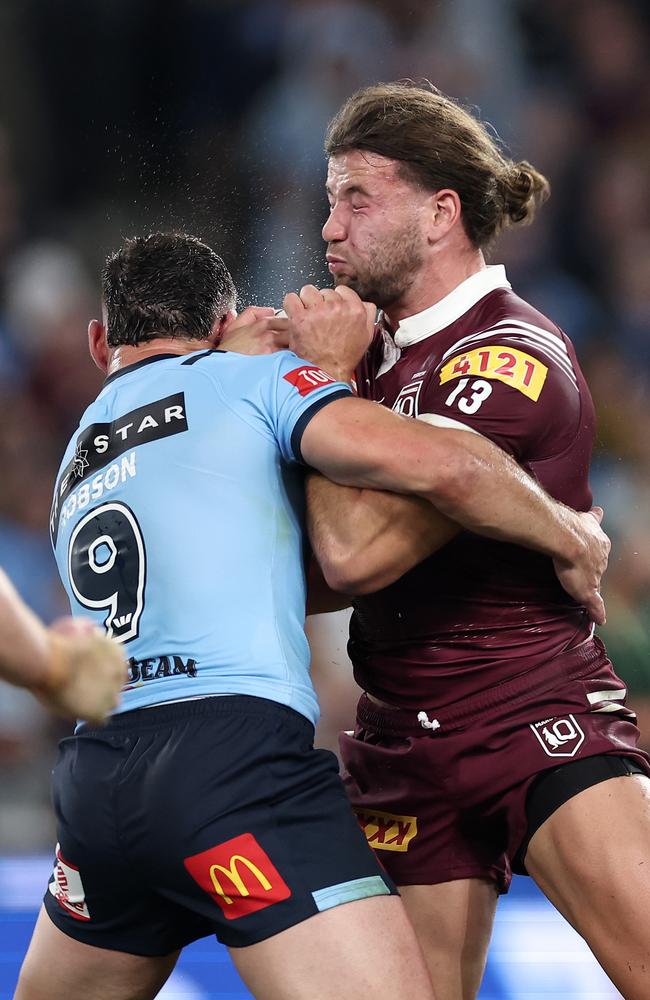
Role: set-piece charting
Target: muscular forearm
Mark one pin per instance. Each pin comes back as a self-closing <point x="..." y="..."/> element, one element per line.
<point x="465" y="476"/>
<point x="365" y="539"/>
<point x="26" y="653"/>
<point x="498" y="499"/>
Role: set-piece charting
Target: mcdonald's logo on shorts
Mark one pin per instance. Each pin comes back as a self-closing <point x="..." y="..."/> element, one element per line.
<point x="239" y="876"/>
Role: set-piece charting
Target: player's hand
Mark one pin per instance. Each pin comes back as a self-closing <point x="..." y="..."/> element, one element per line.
<point x="581" y="577"/>
<point x="331" y="327"/>
<point x="257" y="330"/>
<point x="89" y="671"/>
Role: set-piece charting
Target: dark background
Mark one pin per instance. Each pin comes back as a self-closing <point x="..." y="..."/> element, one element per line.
<point x="118" y="117"/>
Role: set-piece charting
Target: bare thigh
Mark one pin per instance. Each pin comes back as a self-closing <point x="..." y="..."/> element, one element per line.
<point x="363" y="948"/>
<point x="453" y="922"/>
<point x="592" y="859"/>
<point x="56" y="967"/>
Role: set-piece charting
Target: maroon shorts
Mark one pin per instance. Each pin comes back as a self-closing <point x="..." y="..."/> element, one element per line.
<point x="442" y="794"/>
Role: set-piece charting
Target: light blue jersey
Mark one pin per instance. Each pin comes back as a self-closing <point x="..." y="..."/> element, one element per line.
<point x="177" y="523"/>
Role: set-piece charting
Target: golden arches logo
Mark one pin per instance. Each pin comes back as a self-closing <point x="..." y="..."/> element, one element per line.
<point x="232" y="873"/>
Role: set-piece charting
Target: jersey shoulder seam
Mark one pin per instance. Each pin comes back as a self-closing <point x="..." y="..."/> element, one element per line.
<point x="543" y="344"/>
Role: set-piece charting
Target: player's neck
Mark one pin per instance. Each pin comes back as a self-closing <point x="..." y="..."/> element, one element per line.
<point x="127" y="354"/>
<point x="433" y="283"/>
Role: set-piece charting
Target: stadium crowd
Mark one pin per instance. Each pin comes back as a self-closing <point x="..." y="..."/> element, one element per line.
<point x="121" y="118"/>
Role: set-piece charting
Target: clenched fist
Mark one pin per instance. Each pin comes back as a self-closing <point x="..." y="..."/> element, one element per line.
<point x="331" y="327"/>
<point x="87" y="671"/>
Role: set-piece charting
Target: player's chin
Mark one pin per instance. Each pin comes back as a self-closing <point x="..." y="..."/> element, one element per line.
<point x="346" y="279"/>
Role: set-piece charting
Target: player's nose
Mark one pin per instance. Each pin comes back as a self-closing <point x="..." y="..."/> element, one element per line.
<point x="334" y="230"/>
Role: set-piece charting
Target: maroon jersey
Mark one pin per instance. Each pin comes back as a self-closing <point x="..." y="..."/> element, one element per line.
<point x="478" y="611"/>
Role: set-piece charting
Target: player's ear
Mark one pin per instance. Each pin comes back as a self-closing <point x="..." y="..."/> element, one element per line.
<point x="97" y="345"/>
<point x="444" y="213"/>
<point x="221" y="325"/>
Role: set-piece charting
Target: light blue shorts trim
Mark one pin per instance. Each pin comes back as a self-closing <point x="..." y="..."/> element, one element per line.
<point x="346" y="892"/>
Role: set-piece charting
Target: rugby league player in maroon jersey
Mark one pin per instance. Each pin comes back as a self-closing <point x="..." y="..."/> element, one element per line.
<point x="492" y="735"/>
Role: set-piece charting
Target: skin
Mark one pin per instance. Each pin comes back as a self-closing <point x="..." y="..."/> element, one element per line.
<point x="310" y="961"/>
<point x="405" y="249"/>
<point x="394" y="243"/>
<point x="335" y="327"/>
<point x="350" y="938"/>
<point x="368" y="446"/>
<point x="72" y="667"/>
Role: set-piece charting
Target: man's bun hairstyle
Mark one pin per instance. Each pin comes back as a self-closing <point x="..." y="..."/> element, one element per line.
<point x="440" y="144"/>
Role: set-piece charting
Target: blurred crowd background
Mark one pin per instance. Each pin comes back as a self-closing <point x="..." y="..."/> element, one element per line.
<point x="121" y="117"/>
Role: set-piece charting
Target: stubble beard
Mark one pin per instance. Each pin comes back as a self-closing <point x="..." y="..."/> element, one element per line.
<point x="389" y="272"/>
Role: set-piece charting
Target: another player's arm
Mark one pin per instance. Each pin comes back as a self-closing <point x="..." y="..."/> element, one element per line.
<point x="71" y="667"/>
<point x="465" y="476"/>
<point x="321" y="597"/>
<point x="366" y="539"/>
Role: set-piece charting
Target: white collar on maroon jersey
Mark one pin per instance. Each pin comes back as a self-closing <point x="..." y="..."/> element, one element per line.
<point x="415" y="328"/>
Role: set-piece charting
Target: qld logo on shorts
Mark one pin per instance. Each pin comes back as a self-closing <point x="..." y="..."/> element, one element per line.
<point x="560" y="736"/>
<point x="67" y="888"/>
<point x="239" y="876"/>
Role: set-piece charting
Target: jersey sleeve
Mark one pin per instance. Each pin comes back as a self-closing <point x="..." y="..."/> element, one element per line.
<point x="525" y="398"/>
<point x="297" y="392"/>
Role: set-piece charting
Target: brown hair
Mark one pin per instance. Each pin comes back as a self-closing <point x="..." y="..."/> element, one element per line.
<point x="164" y="285"/>
<point x="440" y="145"/>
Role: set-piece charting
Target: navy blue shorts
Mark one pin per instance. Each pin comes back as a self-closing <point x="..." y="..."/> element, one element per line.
<point x="214" y="816"/>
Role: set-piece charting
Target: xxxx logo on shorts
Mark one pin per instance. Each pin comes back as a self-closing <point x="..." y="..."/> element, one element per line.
<point x="387" y="831"/>
<point x="560" y="736"/>
<point x="239" y="876"/>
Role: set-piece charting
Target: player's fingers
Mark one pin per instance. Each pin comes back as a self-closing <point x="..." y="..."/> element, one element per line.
<point x="73" y="626"/>
<point x="100" y="707"/>
<point x="273" y="341"/>
<point x="267" y="325"/>
<point x="260" y="312"/>
<point x="293" y="305"/>
<point x="273" y="333"/>
<point x="281" y="338"/>
<point x="329" y="294"/>
<point x="598" y="513"/>
<point x="250" y="315"/>
<point x="310" y="295"/>
<point x="107" y="658"/>
<point x="347" y="294"/>
<point x="596" y="608"/>
<point x="278" y="323"/>
<point x="371" y="313"/>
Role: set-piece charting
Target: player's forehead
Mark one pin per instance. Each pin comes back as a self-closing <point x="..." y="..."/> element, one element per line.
<point x="359" y="169"/>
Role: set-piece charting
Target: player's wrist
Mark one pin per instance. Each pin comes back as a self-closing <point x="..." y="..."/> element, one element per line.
<point x="572" y="547"/>
<point x="57" y="667"/>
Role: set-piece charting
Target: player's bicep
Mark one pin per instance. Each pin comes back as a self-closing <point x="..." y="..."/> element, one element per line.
<point x="345" y="440"/>
<point x="358" y="443"/>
